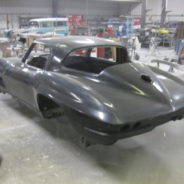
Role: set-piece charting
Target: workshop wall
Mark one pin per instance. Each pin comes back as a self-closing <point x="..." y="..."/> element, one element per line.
<point x="176" y="7"/>
<point x="11" y="10"/>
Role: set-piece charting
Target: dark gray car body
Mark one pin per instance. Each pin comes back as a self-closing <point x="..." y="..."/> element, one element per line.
<point x="121" y="101"/>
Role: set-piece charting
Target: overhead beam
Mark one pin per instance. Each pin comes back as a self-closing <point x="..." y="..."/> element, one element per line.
<point x="143" y="14"/>
<point x="164" y="13"/>
<point x="54" y="8"/>
<point x="131" y="1"/>
<point x="127" y="1"/>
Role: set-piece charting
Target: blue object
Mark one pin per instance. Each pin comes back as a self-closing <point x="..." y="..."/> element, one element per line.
<point x="124" y="22"/>
<point x="179" y="46"/>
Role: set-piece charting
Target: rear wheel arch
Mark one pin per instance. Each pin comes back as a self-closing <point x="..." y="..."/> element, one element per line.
<point x="48" y="107"/>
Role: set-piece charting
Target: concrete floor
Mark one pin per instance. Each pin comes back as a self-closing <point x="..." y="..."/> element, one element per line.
<point x="34" y="150"/>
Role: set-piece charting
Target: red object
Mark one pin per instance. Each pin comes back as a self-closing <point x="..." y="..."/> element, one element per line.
<point x="100" y="53"/>
<point x="80" y="52"/>
<point x="75" y="20"/>
<point x="110" y="31"/>
<point x="72" y="30"/>
<point x="100" y="35"/>
<point x="182" y="52"/>
<point x="137" y="22"/>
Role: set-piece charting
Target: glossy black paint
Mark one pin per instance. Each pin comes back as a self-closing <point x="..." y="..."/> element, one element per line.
<point x="123" y="100"/>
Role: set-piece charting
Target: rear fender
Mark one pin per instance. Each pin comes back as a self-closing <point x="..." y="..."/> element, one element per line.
<point x="75" y="97"/>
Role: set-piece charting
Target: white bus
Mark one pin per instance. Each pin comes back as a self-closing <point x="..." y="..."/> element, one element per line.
<point x="45" y="25"/>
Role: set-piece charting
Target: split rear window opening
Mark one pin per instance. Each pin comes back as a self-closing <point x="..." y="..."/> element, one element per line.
<point x="95" y="59"/>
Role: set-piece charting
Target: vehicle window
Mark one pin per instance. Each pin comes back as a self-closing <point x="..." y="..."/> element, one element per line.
<point x="60" y="23"/>
<point x="38" y="56"/>
<point x="38" y="62"/>
<point x="78" y="59"/>
<point x="106" y="53"/>
<point x="40" y="49"/>
<point x="46" y="24"/>
<point x="80" y="52"/>
<point x="93" y="60"/>
<point x="33" y="24"/>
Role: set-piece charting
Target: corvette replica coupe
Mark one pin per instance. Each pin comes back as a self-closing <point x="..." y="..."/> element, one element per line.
<point x="92" y="80"/>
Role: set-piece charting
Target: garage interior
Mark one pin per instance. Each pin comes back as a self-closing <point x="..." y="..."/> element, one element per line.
<point x="49" y="151"/>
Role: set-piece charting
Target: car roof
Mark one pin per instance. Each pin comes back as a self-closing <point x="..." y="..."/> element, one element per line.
<point x="49" y="19"/>
<point x="69" y="43"/>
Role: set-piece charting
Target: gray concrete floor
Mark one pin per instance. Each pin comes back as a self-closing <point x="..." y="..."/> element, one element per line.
<point x="34" y="150"/>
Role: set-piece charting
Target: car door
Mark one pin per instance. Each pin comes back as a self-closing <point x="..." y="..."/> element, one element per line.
<point x="22" y="79"/>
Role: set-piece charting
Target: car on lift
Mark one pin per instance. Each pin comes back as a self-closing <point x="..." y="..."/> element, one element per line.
<point x="93" y="82"/>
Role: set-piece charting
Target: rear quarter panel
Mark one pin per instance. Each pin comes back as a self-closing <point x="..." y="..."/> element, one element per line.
<point x="69" y="91"/>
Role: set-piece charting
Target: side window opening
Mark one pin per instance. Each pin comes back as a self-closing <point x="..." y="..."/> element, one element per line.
<point x="79" y="60"/>
<point x="93" y="60"/>
<point x="38" y="62"/>
<point x="60" y="23"/>
<point x="46" y="24"/>
<point x="38" y="56"/>
<point x="106" y="53"/>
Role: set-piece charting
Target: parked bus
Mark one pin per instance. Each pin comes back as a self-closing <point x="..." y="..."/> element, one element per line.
<point x="45" y="25"/>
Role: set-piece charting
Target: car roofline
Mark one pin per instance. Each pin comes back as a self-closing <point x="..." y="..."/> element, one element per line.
<point x="77" y="40"/>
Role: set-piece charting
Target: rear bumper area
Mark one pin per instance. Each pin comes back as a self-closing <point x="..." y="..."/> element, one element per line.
<point x="115" y="132"/>
<point x="109" y="138"/>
